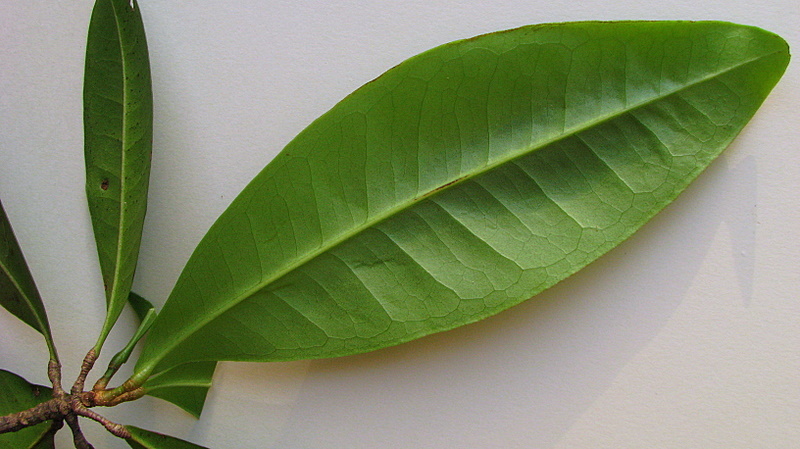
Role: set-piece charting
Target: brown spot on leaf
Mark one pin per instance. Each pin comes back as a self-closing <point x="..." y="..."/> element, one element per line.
<point x="104" y="184"/>
<point x="448" y="184"/>
<point x="441" y="187"/>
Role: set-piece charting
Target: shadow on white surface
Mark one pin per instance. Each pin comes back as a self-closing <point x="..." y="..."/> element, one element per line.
<point x="519" y="379"/>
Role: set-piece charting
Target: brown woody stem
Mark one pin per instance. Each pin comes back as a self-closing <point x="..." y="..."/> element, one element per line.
<point x="77" y="434"/>
<point x="67" y="408"/>
<point x="116" y="429"/>
<point x="54" y="374"/>
<point x="86" y="366"/>
<point x="55" y="408"/>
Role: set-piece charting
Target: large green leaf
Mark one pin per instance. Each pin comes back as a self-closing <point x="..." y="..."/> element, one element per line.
<point x="16" y="395"/>
<point x="144" y="439"/>
<point x="118" y="128"/>
<point x="18" y="293"/>
<point x="185" y="385"/>
<point x="460" y="183"/>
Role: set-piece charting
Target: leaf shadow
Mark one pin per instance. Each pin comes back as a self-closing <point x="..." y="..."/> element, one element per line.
<point x="524" y="376"/>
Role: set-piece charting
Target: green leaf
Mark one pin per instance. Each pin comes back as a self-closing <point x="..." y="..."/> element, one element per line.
<point x="144" y="439"/>
<point x="141" y="307"/>
<point x="147" y="315"/>
<point x="460" y="183"/>
<point x="16" y="395"/>
<point x="18" y="293"/>
<point x="186" y="385"/>
<point x="118" y="128"/>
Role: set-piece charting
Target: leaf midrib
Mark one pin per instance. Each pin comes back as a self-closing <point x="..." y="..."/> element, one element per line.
<point x="150" y="389"/>
<point x="190" y="330"/>
<point x="43" y="327"/>
<point x="122" y="184"/>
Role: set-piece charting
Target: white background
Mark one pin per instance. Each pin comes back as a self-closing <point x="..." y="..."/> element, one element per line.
<point x="685" y="336"/>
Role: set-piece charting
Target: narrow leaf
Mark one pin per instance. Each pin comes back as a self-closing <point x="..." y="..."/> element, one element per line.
<point x="186" y="385"/>
<point x="145" y="439"/>
<point x="460" y="183"/>
<point x="18" y="293"/>
<point x="16" y="395"/>
<point x="118" y="127"/>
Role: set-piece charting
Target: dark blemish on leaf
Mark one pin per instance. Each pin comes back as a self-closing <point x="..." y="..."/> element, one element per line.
<point x="448" y="184"/>
<point x="104" y="184"/>
<point x="36" y="392"/>
<point x="441" y="187"/>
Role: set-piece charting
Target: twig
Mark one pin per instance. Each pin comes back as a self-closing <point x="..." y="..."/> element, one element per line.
<point x="77" y="433"/>
<point x="86" y="366"/>
<point x="55" y="408"/>
<point x="67" y="408"/>
<point x="54" y="374"/>
<point x="116" y="429"/>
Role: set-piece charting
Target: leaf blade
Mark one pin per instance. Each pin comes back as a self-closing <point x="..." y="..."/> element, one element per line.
<point x="185" y="385"/>
<point x="375" y="239"/>
<point x="118" y="122"/>
<point x="18" y="292"/>
<point x="145" y="439"/>
<point x="141" y="307"/>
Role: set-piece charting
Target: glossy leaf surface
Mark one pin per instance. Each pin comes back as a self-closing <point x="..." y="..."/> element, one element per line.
<point x="144" y="439"/>
<point x="16" y="395"/>
<point x="460" y="183"/>
<point x="186" y="385"/>
<point x="118" y="128"/>
<point x="18" y="293"/>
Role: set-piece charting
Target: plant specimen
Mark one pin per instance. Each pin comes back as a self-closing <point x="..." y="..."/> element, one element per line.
<point x="456" y="185"/>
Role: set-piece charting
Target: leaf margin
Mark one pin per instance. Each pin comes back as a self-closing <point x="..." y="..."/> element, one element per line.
<point x="136" y="104"/>
<point x="146" y="439"/>
<point x="148" y="365"/>
<point x="14" y="270"/>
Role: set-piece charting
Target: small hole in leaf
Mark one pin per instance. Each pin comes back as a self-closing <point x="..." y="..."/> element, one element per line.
<point x="104" y="184"/>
